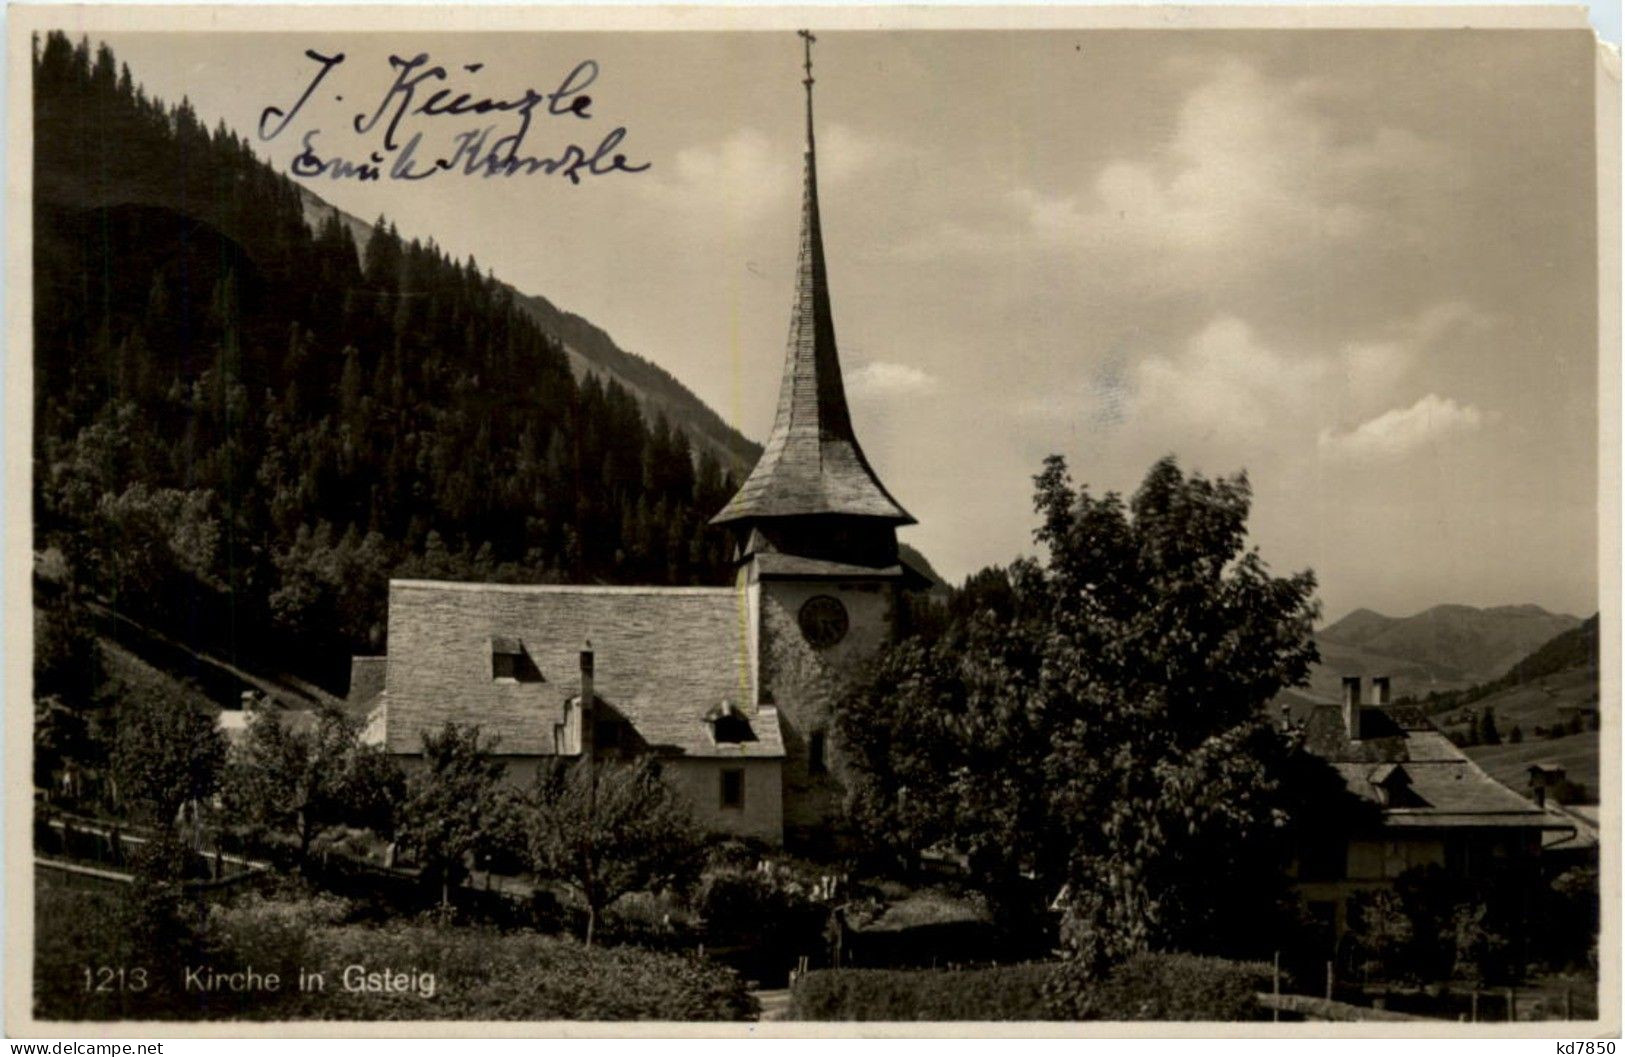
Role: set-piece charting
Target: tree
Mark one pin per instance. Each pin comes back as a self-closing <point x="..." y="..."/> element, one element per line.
<point x="1487" y="730"/>
<point x="1100" y="727"/>
<point x="165" y="755"/>
<point x="606" y="829"/>
<point x="306" y="780"/>
<point x="453" y="804"/>
<point x="1515" y="735"/>
<point x="1478" y="951"/>
<point x="371" y="790"/>
<point x="1384" y="936"/>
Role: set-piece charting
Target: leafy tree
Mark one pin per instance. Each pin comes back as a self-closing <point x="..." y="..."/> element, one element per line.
<point x="1431" y="925"/>
<point x="1478" y="952"/>
<point x="1099" y="726"/>
<point x="1575" y="910"/>
<point x="303" y="781"/>
<point x="454" y="805"/>
<point x="1384" y="937"/>
<point x="607" y="829"/>
<point x="371" y="790"/>
<point x="165" y="755"/>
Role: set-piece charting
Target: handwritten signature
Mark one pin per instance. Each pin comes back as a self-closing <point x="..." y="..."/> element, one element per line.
<point x="474" y="148"/>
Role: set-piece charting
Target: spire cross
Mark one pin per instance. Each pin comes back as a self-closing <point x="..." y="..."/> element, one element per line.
<point x="808" y="40"/>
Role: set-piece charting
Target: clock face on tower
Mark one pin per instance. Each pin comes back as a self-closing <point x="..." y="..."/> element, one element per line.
<point x="823" y="621"/>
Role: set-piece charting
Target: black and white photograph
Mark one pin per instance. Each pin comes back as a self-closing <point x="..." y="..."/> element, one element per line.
<point x="796" y="521"/>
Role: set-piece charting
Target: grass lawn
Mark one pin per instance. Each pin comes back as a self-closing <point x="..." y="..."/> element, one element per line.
<point x="1509" y="764"/>
<point x="1533" y="704"/>
<point x="137" y="676"/>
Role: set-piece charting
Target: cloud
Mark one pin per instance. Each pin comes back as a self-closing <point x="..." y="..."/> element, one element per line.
<point x="1224" y="378"/>
<point x="1251" y="164"/>
<point x="1251" y="177"/>
<point x="1371" y="368"/>
<point x="880" y="379"/>
<point x="1235" y="395"/>
<point x="1392" y="434"/>
<point x="742" y="174"/>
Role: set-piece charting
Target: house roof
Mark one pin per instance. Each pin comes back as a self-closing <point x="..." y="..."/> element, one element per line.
<point x="1443" y="787"/>
<point x="233" y="722"/>
<point x="366" y="679"/>
<point x="812" y="462"/>
<point x="662" y="656"/>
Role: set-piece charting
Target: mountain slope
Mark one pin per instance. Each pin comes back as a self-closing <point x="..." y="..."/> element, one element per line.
<point x="1544" y="713"/>
<point x="244" y="425"/>
<point x="593" y="352"/>
<point x="1441" y="647"/>
<point x="1439" y="650"/>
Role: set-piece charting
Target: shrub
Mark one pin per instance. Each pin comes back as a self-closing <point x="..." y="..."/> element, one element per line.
<point x="1014" y="992"/>
<point x="1163" y="987"/>
<point x="131" y="941"/>
<point x="761" y="922"/>
<point x="481" y="974"/>
<point x="478" y="973"/>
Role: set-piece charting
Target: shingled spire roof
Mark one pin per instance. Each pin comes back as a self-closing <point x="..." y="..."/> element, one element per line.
<point x="812" y="463"/>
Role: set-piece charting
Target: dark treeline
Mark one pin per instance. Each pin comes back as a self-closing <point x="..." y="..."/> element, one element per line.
<point x="244" y="424"/>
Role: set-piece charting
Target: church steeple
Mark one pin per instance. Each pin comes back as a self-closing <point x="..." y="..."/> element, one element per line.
<point x="812" y="463"/>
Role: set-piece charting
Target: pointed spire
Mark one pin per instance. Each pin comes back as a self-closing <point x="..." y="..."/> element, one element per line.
<point x="812" y="463"/>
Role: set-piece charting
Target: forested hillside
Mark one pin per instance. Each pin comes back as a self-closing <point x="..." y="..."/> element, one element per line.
<point x="595" y="352"/>
<point x="244" y="426"/>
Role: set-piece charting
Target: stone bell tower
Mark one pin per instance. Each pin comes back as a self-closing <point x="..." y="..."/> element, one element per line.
<point x="815" y="536"/>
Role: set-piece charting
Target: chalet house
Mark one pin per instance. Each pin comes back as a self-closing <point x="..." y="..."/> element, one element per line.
<point x="1429" y="806"/>
<point x="731" y="687"/>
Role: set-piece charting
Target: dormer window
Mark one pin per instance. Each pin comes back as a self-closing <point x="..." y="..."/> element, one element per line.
<point x="729" y="726"/>
<point x="1391" y="785"/>
<point x="510" y="663"/>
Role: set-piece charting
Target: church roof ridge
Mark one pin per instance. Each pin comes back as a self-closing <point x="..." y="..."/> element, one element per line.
<point x="572" y="589"/>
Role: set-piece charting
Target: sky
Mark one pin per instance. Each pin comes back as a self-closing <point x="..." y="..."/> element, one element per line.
<point x="1361" y="266"/>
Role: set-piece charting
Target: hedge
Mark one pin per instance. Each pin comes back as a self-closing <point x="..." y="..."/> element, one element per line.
<point x="479" y="973"/>
<point x="1164" y="987"/>
<point x="1146" y="987"/>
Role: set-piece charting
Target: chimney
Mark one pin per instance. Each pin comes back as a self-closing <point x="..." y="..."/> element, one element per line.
<point x="584" y="713"/>
<point x="586" y="676"/>
<point x="1351" y="706"/>
<point x="1379" y="690"/>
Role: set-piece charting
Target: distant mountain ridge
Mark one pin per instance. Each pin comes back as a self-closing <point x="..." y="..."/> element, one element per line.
<point x="1446" y="647"/>
<point x="591" y="350"/>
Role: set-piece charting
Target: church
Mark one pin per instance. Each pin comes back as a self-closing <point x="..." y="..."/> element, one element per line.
<point x="732" y="688"/>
